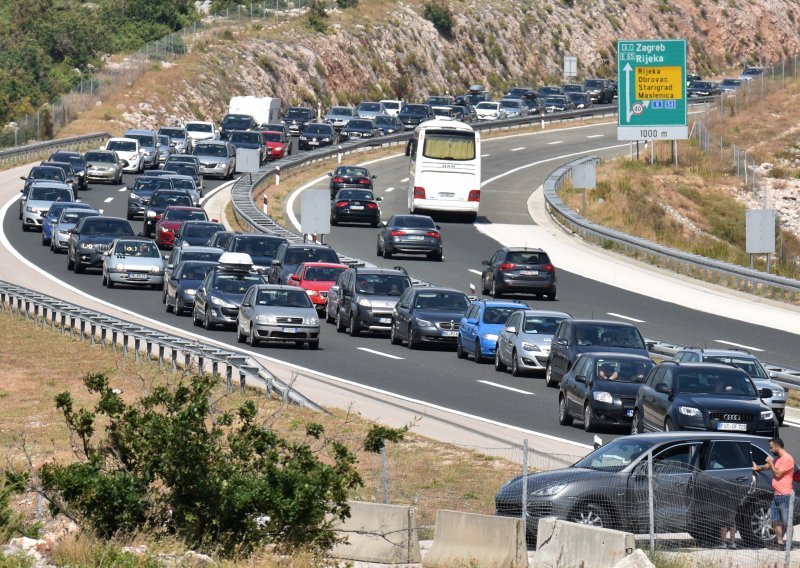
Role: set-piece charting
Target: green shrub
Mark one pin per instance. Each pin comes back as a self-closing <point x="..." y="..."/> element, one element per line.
<point x="317" y="16"/>
<point x="344" y="4"/>
<point x="438" y="13"/>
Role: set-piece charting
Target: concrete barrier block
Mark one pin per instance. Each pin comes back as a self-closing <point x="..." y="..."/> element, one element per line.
<point x="561" y="544"/>
<point x="485" y="541"/>
<point x="375" y="532"/>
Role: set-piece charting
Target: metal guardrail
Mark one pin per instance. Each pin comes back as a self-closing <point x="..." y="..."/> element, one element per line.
<point x="31" y="152"/>
<point x="145" y="342"/>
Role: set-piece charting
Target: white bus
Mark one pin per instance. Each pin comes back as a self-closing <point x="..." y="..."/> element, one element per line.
<point x="445" y="170"/>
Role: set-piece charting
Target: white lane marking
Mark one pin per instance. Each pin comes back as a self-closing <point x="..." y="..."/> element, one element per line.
<point x="389" y="189"/>
<point x="490" y="383"/>
<point x="108" y="200"/>
<point x="122" y="189"/>
<point x="478" y="272"/>
<point x="404" y="180"/>
<point x="732" y="344"/>
<point x="517" y="149"/>
<point x="555" y="142"/>
<point x="379" y="353"/>
<point x="485" y="155"/>
<point x="595" y="135"/>
<point x="625" y="317"/>
<point x="4" y="242"/>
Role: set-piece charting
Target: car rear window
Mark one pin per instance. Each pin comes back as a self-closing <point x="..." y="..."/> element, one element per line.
<point x="263" y="246"/>
<point x="527" y="257"/>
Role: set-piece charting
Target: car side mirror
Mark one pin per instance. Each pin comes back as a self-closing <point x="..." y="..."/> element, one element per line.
<point x="663" y="388"/>
<point x="140" y="234"/>
<point x="563" y="342"/>
<point x="766" y="393"/>
<point x="472" y="320"/>
<point x="334" y="289"/>
<point x="245" y="304"/>
<point x="215" y="220"/>
<point x="512" y="330"/>
<point x="379" y="199"/>
<point x="580" y="379"/>
<point x="276" y="262"/>
<point x="330" y="174"/>
<point x="294" y="277"/>
<point x="772" y="374"/>
<point x="374" y="177"/>
<point x="485" y="262"/>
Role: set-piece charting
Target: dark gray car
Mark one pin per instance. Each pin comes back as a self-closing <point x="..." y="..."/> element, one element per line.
<point x="366" y="297"/>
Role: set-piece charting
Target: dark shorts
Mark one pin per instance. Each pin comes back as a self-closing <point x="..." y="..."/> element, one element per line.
<point x="779" y="510"/>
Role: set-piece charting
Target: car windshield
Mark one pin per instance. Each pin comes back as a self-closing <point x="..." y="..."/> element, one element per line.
<point x="192" y="271"/>
<point x="614" y="456"/>
<point x="311" y="254"/>
<point x="283" y="298"/>
<point x="731" y="82"/>
<point x="714" y="381"/>
<point x="235" y="282"/>
<point x="440" y="111"/>
<point x="439" y="100"/>
<point x="622" y="370"/>
<point x="216" y="150"/>
<point x="413" y="222"/>
<point x="557" y="100"/>
<point x="144" y="139"/>
<point x="293" y="113"/>
<point x="201" y="230"/>
<point x="187" y="184"/>
<point x="517" y="92"/>
<point x="102" y="157"/>
<point x="246" y="137"/>
<point x="74" y="216"/>
<point x="177" y="133"/>
<point x="185" y="215"/>
<point x="76" y="161"/>
<point x="414" y="109"/>
<point x="381" y="284"/>
<point x="232" y="122"/>
<point x="701" y="85"/>
<point x="454" y="145"/>
<point x="593" y="84"/>
<point x="457" y="301"/>
<point x="510" y="104"/>
<point x="359" y="125"/>
<point x="55" y="174"/>
<point x="499" y="314"/>
<point x="341" y="111"/>
<point x="135" y="248"/>
<point x="487" y="105"/>
<point x="199" y="127"/>
<point x="605" y="335"/>
<point x="578" y="97"/>
<point x="44" y="193"/>
<point x="351" y="171"/>
<point x="317" y="129"/>
<point x="393" y="105"/>
<point x="541" y="325"/>
<point x="323" y="273"/>
<point x="257" y="245"/>
<point x="163" y="140"/>
<point x="369" y="106"/>
<point x="151" y="184"/>
<point x="171" y="199"/>
<point x="750" y="366"/>
<point x="211" y="256"/>
<point x="272" y="136"/>
<point x="121" y="145"/>
<point x="117" y="228"/>
<point x="355" y="194"/>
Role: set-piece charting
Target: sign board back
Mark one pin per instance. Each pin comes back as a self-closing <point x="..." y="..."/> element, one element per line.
<point x="247" y="160"/>
<point x="570" y="66"/>
<point x="760" y="231"/>
<point x="315" y="212"/>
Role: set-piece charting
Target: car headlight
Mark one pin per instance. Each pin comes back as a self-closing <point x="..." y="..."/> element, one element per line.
<point x="689" y="411"/>
<point x="147" y="154"/>
<point x="303" y="138"/>
<point x="550" y="490"/>
<point x="151" y="214"/>
<point x="155" y="270"/>
<point x="220" y="302"/>
<point x="603" y="396"/>
<point x="311" y="320"/>
<point x="767" y="415"/>
<point x="30" y="209"/>
<point x="312" y="293"/>
<point x="424" y="323"/>
<point x="364" y="303"/>
<point x="326" y="139"/>
<point x="530" y="346"/>
<point x="119" y="267"/>
<point x="135" y="196"/>
<point x="490" y="336"/>
<point x="165" y="229"/>
<point x="190" y="291"/>
<point x="265" y="319"/>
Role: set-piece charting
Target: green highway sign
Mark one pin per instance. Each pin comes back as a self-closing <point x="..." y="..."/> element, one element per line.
<point x="651" y="85"/>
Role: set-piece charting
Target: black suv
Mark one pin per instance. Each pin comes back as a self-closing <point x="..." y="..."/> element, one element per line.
<point x="702" y="396"/>
<point x="78" y="165"/>
<point x="296" y="119"/>
<point x="161" y="199"/>
<point x="91" y="238"/>
<point x="69" y="172"/>
<point x="231" y="122"/>
<point x="518" y="269"/>
<point x="412" y="114"/>
<point x="696" y="478"/>
<point x="426" y="314"/>
<point x="141" y="192"/>
<point x="366" y="297"/>
<point x="599" y="90"/>
<point x="291" y="255"/>
<point x="575" y="336"/>
<point x="261" y="248"/>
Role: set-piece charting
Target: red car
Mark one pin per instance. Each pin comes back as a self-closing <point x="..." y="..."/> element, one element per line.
<point x="316" y="278"/>
<point x="171" y="221"/>
<point x="278" y="144"/>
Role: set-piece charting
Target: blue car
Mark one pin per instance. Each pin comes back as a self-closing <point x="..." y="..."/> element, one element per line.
<point x="50" y="220"/>
<point x="480" y="328"/>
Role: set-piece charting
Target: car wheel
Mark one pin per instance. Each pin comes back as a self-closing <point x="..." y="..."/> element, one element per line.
<point x="551" y="294"/>
<point x="668" y="425"/>
<point x="378" y="251"/>
<point x="45" y="242"/>
<point x="328" y="318"/>
<point x="252" y="338"/>
<point x="207" y="320"/>
<point x="413" y="342"/>
<point x="167" y="306"/>
<point x="477" y="353"/>
<point x="353" y="326"/>
<point x="548" y="376"/>
<point x="196" y="320"/>
<point x="484" y="289"/>
<point x="386" y="253"/>
<point x="498" y="362"/>
<point x="313" y="345"/>
<point x="780" y="415"/>
<point x="25" y="228"/>
<point x="435" y="256"/>
<point x="78" y="267"/>
<point x="109" y="282"/>
<point x="494" y="293"/>
<point x="563" y="416"/>
<point x="70" y="263"/>
<point x="333" y="221"/>
<point x="179" y="307"/>
<point x="130" y="217"/>
<point x="375" y="224"/>
<point x="588" y="418"/>
<point x="636" y="423"/>
<point x="592" y="514"/>
<point x="515" y="370"/>
<point x="163" y="294"/>
<point x="460" y="353"/>
<point x="393" y="339"/>
<point x="52" y="246"/>
<point x="755" y="526"/>
<point x="339" y="323"/>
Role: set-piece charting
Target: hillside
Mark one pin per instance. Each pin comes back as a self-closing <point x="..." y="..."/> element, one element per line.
<point x="387" y="49"/>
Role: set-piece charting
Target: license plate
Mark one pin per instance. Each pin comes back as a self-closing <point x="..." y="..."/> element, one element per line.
<point x="289" y="330"/>
<point x="447" y="194"/>
<point x="135" y="276"/>
<point x="529" y="272"/>
<point x="450" y="333"/>
<point x="629" y="413"/>
<point x="357" y="207"/>
<point x="732" y="427"/>
<point x="415" y="237"/>
<point x="313" y="143"/>
<point x="384" y="320"/>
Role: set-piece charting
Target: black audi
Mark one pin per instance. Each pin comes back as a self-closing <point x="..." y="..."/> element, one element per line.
<point x="428" y="315"/>
<point x="349" y="176"/>
<point x="315" y="135"/>
<point x="355" y="206"/>
<point x="359" y="128"/>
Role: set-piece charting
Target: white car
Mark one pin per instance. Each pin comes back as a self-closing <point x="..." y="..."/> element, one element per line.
<point x="444" y="113"/>
<point x="135" y="261"/>
<point x="128" y="150"/>
<point x="392" y="106"/>
<point x="201" y="130"/>
<point x="489" y="110"/>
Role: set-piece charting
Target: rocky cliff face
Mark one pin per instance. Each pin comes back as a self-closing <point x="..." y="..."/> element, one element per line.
<point x="389" y="50"/>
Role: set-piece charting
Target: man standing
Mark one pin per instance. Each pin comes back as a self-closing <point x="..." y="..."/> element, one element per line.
<point x="782" y="468"/>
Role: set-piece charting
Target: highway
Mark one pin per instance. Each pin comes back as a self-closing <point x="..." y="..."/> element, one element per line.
<point x="437" y="376"/>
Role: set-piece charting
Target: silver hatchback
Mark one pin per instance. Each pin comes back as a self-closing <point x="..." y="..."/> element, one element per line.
<point x="277" y="313"/>
<point x="523" y="345"/>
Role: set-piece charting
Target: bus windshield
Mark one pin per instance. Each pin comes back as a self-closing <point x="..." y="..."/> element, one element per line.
<point x="443" y="145"/>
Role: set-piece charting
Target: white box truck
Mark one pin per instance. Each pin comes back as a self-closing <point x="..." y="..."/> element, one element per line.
<point x="263" y="109"/>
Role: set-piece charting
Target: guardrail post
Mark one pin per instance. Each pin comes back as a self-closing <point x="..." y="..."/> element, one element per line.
<point x="137" y="343"/>
<point x="103" y="332"/>
<point x="27" y="313"/>
<point x="215" y="367"/>
<point x="187" y="360"/>
<point x="173" y="353"/>
<point x="124" y="344"/>
<point x="160" y="355"/>
<point x="91" y="333"/>
<point x="242" y="382"/>
<point x="229" y="376"/>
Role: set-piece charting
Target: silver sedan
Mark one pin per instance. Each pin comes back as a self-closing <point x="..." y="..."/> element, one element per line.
<point x="217" y="158"/>
<point x="103" y="165"/>
<point x="134" y="261"/>
<point x="277" y="313"/>
<point x="523" y="344"/>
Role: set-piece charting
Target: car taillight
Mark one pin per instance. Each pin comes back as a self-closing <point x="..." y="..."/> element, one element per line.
<point x="372" y="205"/>
<point x="474" y="195"/>
<point x="337" y="180"/>
<point x="341" y="204"/>
<point x="507" y="266"/>
<point x="398" y="233"/>
<point x="364" y="181"/>
<point x="549" y="267"/>
<point x="419" y="192"/>
<point x="434" y="234"/>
